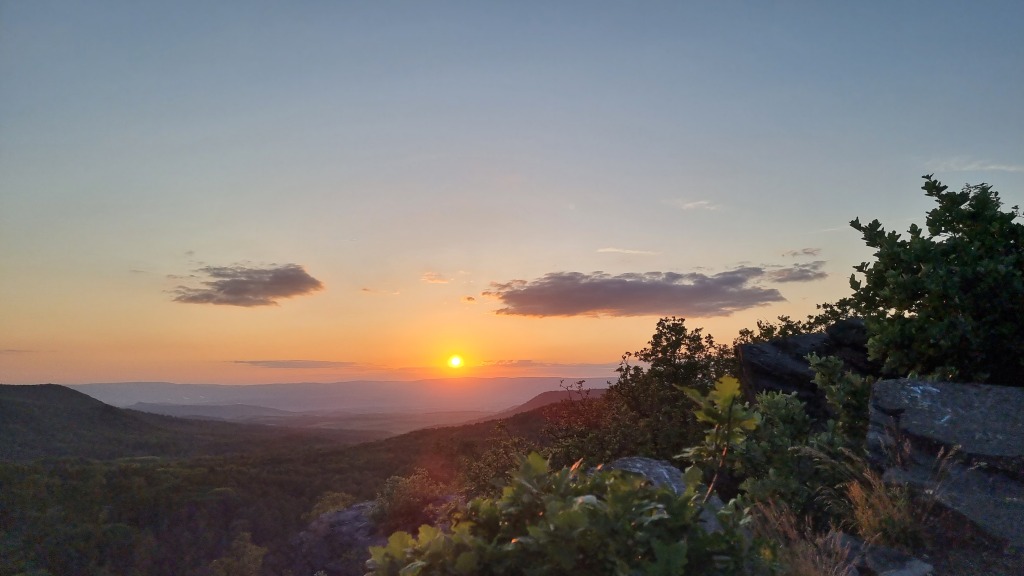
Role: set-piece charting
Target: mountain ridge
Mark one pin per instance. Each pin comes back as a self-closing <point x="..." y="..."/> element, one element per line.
<point x="427" y="395"/>
<point x="53" y="421"/>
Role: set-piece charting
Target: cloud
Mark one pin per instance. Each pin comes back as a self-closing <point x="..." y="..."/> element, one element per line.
<point x="799" y="272"/>
<point x="626" y="251"/>
<point x="434" y="278"/>
<point x="468" y="299"/>
<point x="802" y="252"/>
<point x="16" y="351"/>
<point x="966" y="164"/>
<point x="291" y="364"/>
<point x="536" y="364"/>
<point x="696" y="205"/>
<point x="246" y="286"/>
<point x="375" y="291"/>
<point x="634" y="294"/>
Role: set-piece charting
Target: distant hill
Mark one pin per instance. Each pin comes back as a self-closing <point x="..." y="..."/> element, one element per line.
<point x="388" y="423"/>
<point x="541" y="400"/>
<point x="364" y="396"/>
<point x="232" y="412"/>
<point x="48" y="420"/>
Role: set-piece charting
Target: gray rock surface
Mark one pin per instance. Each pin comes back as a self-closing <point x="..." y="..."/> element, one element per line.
<point x="985" y="480"/>
<point x="337" y="542"/>
<point x="881" y="561"/>
<point x="781" y="365"/>
<point x="662" y="473"/>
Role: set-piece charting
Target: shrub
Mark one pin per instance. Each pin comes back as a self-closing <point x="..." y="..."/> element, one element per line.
<point x="243" y="559"/>
<point x="484" y="474"/>
<point x="950" y="301"/>
<point x="405" y="502"/>
<point x="567" y="522"/>
<point x="645" y="412"/>
<point x="773" y="451"/>
<point x="330" y="502"/>
<point x="729" y="421"/>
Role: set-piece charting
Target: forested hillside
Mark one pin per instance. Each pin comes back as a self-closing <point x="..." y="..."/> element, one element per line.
<point x="50" y="421"/>
<point x="159" y="516"/>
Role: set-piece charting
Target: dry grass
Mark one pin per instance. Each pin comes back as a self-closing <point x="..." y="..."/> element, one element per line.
<point x="883" y="514"/>
<point x="801" y="551"/>
<point x="892" y="514"/>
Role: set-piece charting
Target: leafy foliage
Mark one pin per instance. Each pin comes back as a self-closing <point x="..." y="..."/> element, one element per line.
<point x="568" y="522"/>
<point x="847" y="395"/>
<point x="773" y="450"/>
<point x="406" y="501"/>
<point x="163" y="517"/>
<point x="645" y="412"/>
<point x="243" y="559"/>
<point x="949" y="301"/>
<point x="330" y="502"/>
<point x="486" y="473"/>
<point x="729" y="421"/>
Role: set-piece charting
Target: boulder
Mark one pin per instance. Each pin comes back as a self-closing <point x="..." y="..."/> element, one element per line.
<point x="914" y="424"/>
<point x="781" y="365"/>
<point x="337" y="543"/>
<point x="865" y="559"/>
<point x="661" y="473"/>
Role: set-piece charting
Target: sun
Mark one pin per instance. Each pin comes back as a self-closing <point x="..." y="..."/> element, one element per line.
<point x="455" y="361"/>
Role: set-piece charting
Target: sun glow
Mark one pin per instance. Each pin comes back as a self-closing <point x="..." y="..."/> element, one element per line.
<point x="455" y="361"/>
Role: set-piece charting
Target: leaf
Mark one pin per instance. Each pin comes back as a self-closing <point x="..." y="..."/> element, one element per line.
<point x="726" y="390"/>
<point x="413" y="569"/>
<point x="467" y="563"/>
<point x="534" y="465"/>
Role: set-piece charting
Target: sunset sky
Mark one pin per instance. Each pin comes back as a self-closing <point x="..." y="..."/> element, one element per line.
<point x="266" y="191"/>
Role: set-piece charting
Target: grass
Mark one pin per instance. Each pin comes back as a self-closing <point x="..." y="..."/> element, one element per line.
<point x="801" y="551"/>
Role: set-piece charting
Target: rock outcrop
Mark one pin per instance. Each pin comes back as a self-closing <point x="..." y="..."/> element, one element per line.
<point x="337" y="543"/>
<point x="918" y="421"/>
<point x="781" y="365"/>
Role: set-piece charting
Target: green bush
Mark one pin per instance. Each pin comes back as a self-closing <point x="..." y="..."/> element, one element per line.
<point x="566" y="523"/>
<point x="729" y="421"/>
<point x="484" y="474"/>
<point x="949" y="302"/>
<point x="407" y="501"/>
<point x="330" y="502"/>
<point x="243" y="559"/>
<point x="774" y="452"/>
<point x="645" y="412"/>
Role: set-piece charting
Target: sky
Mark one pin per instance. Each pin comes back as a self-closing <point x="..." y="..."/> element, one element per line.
<point x="263" y="191"/>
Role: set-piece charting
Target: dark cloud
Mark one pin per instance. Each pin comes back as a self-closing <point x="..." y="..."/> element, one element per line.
<point x="246" y="286"/>
<point x="468" y="299"/>
<point x="649" y="294"/>
<point x="296" y="363"/>
<point x="799" y="272"/>
<point x="16" y="351"/>
<point x="802" y="252"/>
